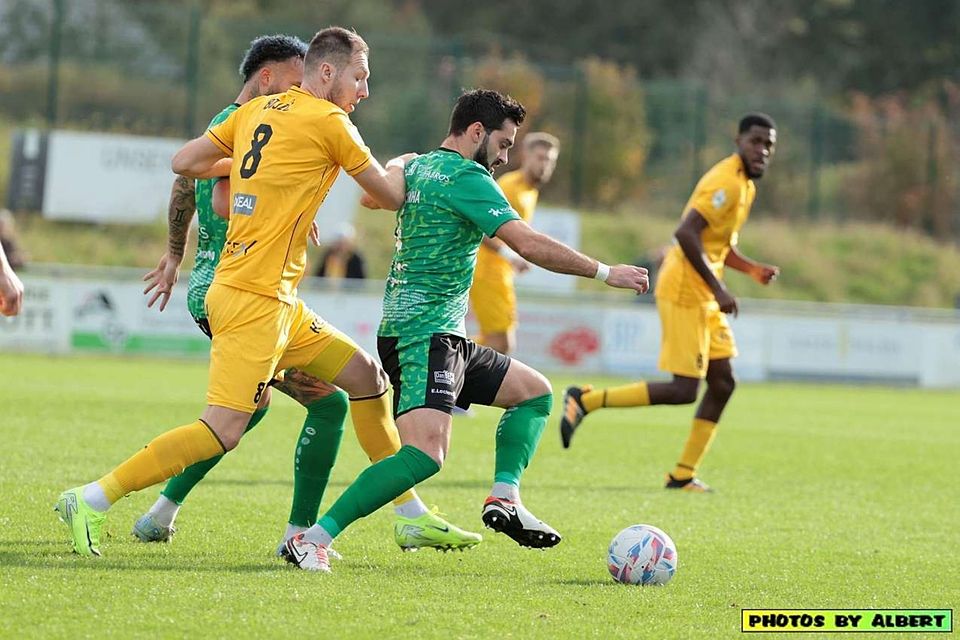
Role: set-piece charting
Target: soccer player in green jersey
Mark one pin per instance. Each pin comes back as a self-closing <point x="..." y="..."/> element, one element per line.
<point x="452" y="201"/>
<point x="271" y="65"/>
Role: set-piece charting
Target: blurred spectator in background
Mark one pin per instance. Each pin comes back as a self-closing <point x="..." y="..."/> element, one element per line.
<point x="11" y="289"/>
<point x="8" y="240"/>
<point x="341" y="259"/>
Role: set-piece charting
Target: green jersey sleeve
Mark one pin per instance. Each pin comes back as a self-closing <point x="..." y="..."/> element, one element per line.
<point x="479" y="199"/>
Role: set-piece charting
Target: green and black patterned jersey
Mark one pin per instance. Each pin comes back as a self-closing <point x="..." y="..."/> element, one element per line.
<point x="211" y="234"/>
<point x="451" y="203"/>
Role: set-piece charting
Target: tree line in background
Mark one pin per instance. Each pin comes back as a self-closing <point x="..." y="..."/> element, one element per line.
<point x="644" y="94"/>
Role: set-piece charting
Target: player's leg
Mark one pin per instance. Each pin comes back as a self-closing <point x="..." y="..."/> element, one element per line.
<point x="320" y="346"/>
<point x="527" y="397"/>
<point x="157" y="524"/>
<point x="423" y="421"/>
<point x="416" y="526"/>
<point x="317" y="444"/>
<point x="84" y="508"/>
<point x="428" y="432"/>
<point x="242" y="360"/>
<point x="684" y="346"/>
<point x="720" y="385"/>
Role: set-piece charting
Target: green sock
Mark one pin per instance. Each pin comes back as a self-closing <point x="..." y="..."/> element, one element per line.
<point x="518" y="435"/>
<point x="180" y="485"/>
<point x="377" y="485"/>
<point x="316" y="452"/>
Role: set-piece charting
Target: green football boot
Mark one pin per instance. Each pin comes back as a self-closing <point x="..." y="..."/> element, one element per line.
<point x="83" y="521"/>
<point x="431" y="530"/>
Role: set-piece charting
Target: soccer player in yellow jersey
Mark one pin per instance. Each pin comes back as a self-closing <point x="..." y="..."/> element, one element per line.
<point x="693" y="302"/>
<point x="286" y="149"/>
<point x="271" y="65"/>
<point x="492" y="296"/>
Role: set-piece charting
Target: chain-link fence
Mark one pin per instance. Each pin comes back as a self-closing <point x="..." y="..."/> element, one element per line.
<point x="162" y="69"/>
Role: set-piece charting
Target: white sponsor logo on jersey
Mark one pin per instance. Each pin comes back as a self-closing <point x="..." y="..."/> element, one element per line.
<point x="444" y="377"/>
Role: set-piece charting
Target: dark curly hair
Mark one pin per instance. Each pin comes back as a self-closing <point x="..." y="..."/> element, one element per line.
<point x="487" y="107"/>
<point x="264" y="49"/>
<point x="756" y="118"/>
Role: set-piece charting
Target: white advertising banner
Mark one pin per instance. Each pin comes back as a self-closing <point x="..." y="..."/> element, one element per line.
<point x="562" y="225"/>
<point x="105" y="314"/>
<point x="113" y="317"/>
<point x="940" y="352"/>
<point x="43" y="324"/>
<point x="559" y="337"/>
<point x="631" y="339"/>
<point x="836" y="347"/>
<point x="106" y="177"/>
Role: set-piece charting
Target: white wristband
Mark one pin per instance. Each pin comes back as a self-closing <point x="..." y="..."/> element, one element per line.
<point x="603" y="272"/>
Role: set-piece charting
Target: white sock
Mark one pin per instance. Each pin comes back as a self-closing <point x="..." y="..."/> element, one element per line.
<point x="318" y="535"/>
<point x="164" y="511"/>
<point x="505" y="490"/>
<point x="292" y="530"/>
<point x="413" y="508"/>
<point x="94" y="496"/>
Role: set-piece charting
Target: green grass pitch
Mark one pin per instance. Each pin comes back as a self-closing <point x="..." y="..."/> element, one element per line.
<point x="827" y="496"/>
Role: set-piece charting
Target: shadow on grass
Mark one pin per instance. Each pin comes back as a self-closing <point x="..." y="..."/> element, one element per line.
<point x="441" y="483"/>
<point x="60" y="558"/>
<point x="590" y="582"/>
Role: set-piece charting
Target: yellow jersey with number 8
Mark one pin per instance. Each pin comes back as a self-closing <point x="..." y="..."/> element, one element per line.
<point x="287" y="150"/>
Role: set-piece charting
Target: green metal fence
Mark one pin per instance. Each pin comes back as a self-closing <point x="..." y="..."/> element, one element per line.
<point x="164" y="69"/>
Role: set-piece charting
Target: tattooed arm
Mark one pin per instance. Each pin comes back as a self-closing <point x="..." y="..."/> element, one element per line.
<point x="179" y="215"/>
<point x="183" y="204"/>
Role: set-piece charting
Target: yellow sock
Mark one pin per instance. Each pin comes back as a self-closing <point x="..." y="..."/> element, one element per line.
<point x="701" y="435"/>
<point x="631" y="395"/>
<point x="164" y="457"/>
<point x="377" y="433"/>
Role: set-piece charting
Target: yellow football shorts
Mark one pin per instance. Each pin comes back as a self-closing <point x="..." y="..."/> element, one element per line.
<point x="494" y="302"/>
<point x="691" y="336"/>
<point x="254" y="336"/>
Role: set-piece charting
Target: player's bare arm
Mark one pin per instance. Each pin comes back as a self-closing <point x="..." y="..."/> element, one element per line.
<point x="688" y="236"/>
<point x="553" y="255"/>
<point x="499" y="246"/>
<point x="11" y="289"/>
<point x="200" y="158"/>
<point x="220" y="198"/>
<point x="762" y="273"/>
<point x="179" y="215"/>
<point x="388" y="180"/>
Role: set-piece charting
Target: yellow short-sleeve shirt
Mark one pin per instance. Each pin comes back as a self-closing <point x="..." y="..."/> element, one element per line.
<point x="287" y="150"/>
<point x="723" y="197"/>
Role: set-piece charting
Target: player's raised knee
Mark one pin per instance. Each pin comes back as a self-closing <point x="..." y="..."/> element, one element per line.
<point x="540" y="386"/>
<point x="723" y="385"/>
<point x="684" y="392"/>
<point x="362" y="376"/>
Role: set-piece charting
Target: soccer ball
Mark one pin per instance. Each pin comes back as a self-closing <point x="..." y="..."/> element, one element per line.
<point x="642" y="554"/>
